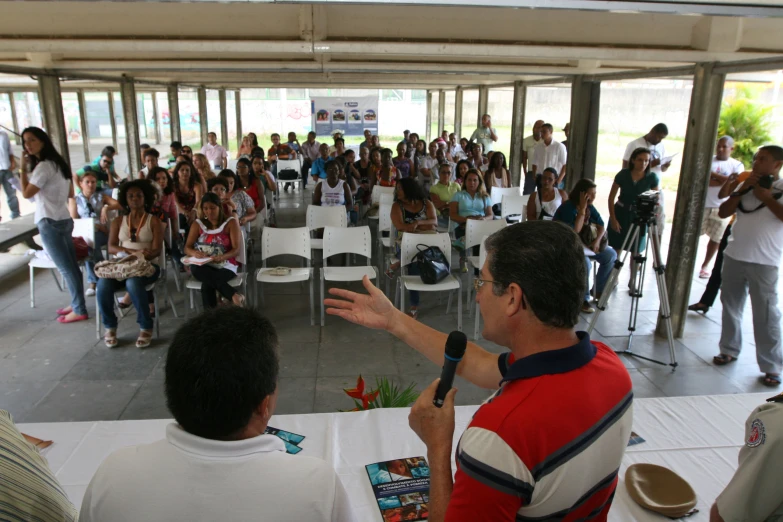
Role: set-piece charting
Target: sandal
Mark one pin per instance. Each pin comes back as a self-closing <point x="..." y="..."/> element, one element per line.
<point x="110" y="338"/>
<point x="414" y="313"/>
<point x="723" y="359"/>
<point x="699" y="307"/>
<point x="773" y="381"/>
<point x="703" y="274"/>
<point x="144" y="339"/>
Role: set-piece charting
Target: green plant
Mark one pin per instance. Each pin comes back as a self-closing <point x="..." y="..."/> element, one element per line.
<point x="385" y="395"/>
<point x="747" y="122"/>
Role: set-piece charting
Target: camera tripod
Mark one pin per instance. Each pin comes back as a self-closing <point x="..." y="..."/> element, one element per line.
<point x="637" y="285"/>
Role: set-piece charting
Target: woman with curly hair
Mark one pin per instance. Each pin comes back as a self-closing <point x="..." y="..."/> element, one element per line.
<point x="201" y="163"/>
<point x="187" y="190"/>
<point x="137" y="231"/>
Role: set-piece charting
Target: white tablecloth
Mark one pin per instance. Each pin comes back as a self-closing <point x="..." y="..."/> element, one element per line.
<point x="697" y="437"/>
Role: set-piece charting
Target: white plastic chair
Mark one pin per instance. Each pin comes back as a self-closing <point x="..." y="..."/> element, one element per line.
<point x="408" y="251"/>
<point x="153" y="287"/>
<point x="339" y="240"/>
<point x="240" y="279"/>
<point x="84" y="228"/>
<point x="321" y="217"/>
<point x="375" y="196"/>
<point x="385" y="244"/>
<point x="475" y="232"/>
<point x="497" y="193"/>
<point x="280" y="241"/>
<point x="482" y="260"/>
<point x="294" y="164"/>
<point x="514" y="205"/>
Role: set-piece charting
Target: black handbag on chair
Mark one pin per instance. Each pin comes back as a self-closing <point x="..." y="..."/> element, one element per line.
<point x="432" y="264"/>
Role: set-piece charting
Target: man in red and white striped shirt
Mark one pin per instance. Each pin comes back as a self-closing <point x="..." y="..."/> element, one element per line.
<point x="549" y="442"/>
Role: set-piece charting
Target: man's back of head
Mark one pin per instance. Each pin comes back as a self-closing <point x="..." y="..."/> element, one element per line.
<point x="216" y="462"/>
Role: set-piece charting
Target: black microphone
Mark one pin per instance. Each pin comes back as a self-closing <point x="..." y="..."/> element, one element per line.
<point x="455" y="349"/>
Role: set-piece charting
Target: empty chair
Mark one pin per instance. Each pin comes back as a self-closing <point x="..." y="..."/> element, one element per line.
<point x="290" y="164"/>
<point x="321" y="217"/>
<point x="85" y="228"/>
<point x="497" y="193"/>
<point x="513" y="207"/>
<point x="337" y="240"/>
<point x="475" y="232"/>
<point x="408" y="250"/>
<point x="280" y="241"/>
<point x="377" y="192"/>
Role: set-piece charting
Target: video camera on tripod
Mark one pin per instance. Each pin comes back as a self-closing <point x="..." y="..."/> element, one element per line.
<point x="645" y="205"/>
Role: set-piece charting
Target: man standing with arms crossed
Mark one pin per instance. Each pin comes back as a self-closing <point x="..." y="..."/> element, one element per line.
<point x="751" y="263"/>
<point x="544" y="446"/>
<point x="549" y="153"/>
<point x="7" y="166"/>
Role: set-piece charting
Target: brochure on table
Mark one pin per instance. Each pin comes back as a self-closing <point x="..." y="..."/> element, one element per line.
<point x="348" y="115"/>
<point x="401" y="488"/>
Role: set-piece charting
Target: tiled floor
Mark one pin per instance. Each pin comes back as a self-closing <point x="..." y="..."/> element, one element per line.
<point x="53" y="372"/>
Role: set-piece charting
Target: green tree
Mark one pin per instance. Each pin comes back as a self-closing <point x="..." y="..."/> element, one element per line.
<point x="747" y="122"/>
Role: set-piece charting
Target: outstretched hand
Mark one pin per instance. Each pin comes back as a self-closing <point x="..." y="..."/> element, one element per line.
<point x="372" y="310"/>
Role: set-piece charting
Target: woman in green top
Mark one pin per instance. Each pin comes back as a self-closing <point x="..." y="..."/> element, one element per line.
<point x="631" y="182"/>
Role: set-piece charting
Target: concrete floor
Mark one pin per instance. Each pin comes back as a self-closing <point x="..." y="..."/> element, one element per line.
<point x="51" y="372"/>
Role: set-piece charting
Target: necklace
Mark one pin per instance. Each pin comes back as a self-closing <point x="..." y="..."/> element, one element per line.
<point x="137" y="228"/>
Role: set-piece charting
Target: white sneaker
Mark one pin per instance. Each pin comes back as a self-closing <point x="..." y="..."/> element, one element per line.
<point x="89" y="292"/>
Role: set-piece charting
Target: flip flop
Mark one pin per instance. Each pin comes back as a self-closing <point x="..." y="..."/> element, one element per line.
<point x="76" y="319"/>
<point x="723" y="359"/>
<point x="704" y="274"/>
<point x="773" y="381"/>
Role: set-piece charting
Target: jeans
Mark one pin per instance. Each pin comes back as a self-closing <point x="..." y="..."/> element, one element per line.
<point x="136" y="287"/>
<point x="605" y="261"/>
<point x="10" y="192"/>
<point x="56" y="238"/>
<point x="101" y="240"/>
<point x="213" y="279"/>
<point x="306" y="164"/>
<point x="741" y="279"/>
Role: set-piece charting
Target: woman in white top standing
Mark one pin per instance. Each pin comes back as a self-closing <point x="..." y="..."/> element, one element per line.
<point x="547" y="198"/>
<point x="51" y="185"/>
<point x="333" y="191"/>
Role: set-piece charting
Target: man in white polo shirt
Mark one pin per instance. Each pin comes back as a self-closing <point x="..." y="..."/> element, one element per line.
<point x="216" y="154"/>
<point x="550" y="153"/>
<point x="751" y="263"/>
<point x="723" y="165"/>
<point x="216" y="463"/>
<point x="653" y="141"/>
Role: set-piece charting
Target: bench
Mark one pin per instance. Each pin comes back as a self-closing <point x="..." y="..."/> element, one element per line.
<point x="17" y="230"/>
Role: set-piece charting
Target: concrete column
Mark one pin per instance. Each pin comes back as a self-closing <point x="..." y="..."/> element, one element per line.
<point x="51" y="101"/>
<point x="173" y="94"/>
<point x="441" y="112"/>
<point x="85" y="127"/>
<point x="14" y="120"/>
<point x="203" y="120"/>
<point x="700" y="137"/>
<point x="429" y="116"/>
<point x="113" y="122"/>
<point x="517" y="133"/>
<point x="458" y="113"/>
<point x="483" y="103"/>
<point x="223" y="118"/>
<point x="156" y="119"/>
<point x="130" y="115"/>
<point x="238" y="109"/>
<point x="583" y="142"/>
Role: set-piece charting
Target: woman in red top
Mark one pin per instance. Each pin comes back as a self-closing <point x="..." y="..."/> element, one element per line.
<point x="387" y="175"/>
<point x="250" y="183"/>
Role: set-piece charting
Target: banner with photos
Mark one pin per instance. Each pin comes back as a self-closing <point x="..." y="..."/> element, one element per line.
<point x="348" y="115"/>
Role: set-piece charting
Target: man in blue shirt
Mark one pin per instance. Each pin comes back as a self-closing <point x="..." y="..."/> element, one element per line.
<point x="318" y="170"/>
<point x="580" y="214"/>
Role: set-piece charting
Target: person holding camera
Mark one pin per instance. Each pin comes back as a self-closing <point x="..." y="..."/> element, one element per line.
<point x="751" y="262"/>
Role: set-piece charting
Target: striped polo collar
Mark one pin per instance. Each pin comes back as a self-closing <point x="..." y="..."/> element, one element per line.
<point x="552" y="362"/>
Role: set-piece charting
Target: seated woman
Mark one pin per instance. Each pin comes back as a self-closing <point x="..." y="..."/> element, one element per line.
<point x="403" y="163"/>
<point x="201" y="163"/>
<point x="218" y="237"/>
<point x="497" y="174"/>
<point x="580" y="214"/>
<point x="245" y="147"/>
<point x="463" y="166"/>
<point x="267" y="182"/>
<point x="333" y="191"/>
<point x="411" y="212"/>
<point x="187" y="191"/>
<point x="220" y="187"/>
<point x="137" y="231"/>
<point x="383" y="171"/>
<point x="472" y="202"/>
<point x="90" y="203"/>
<point x="547" y="198"/>
<point x="246" y="210"/>
<point x="250" y="184"/>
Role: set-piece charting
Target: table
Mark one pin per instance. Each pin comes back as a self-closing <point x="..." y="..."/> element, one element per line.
<point x="17" y="230"/>
<point x="697" y="437"/>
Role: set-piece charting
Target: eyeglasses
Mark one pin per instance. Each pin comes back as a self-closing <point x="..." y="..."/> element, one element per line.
<point x="478" y="283"/>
